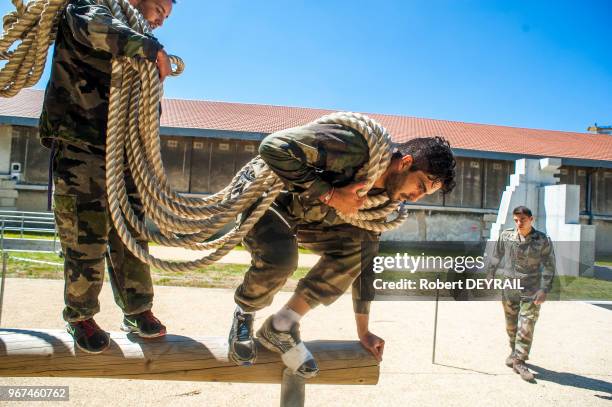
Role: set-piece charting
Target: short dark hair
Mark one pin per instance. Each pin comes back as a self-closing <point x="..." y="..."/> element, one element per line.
<point x="522" y="210"/>
<point x="433" y="156"/>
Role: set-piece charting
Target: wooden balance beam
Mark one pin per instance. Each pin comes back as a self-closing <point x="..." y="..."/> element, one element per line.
<point x="51" y="353"/>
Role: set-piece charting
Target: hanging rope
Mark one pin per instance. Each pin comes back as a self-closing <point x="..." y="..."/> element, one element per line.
<point x="133" y="130"/>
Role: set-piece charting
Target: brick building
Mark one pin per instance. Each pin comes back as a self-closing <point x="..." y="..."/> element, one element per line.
<point x="204" y="144"/>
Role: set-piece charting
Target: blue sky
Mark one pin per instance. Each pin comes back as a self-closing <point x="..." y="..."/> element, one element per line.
<point x="520" y="63"/>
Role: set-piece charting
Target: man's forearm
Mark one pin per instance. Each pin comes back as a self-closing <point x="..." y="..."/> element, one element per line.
<point x="362" y="322"/>
<point x="548" y="267"/>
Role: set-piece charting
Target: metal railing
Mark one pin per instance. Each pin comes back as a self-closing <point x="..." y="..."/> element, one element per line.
<point x="22" y="223"/>
<point x="27" y="222"/>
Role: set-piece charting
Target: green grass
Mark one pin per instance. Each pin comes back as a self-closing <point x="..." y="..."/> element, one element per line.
<point x="230" y="275"/>
<point x="28" y="235"/>
<point x="216" y="275"/>
<point x="564" y="288"/>
<point x="22" y="269"/>
<point x="301" y="250"/>
<point x="47" y="236"/>
<point x="385" y="250"/>
<point x="583" y="288"/>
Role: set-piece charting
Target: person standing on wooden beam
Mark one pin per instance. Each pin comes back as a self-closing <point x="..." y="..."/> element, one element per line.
<point x="73" y="125"/>
<point x="319" y="165"/>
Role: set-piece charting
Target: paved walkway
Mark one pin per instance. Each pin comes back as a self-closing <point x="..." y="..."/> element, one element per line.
<point x="571" y="352"/>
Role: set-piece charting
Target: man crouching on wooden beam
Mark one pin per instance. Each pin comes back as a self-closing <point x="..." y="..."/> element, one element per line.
<point x="318" y="164"/>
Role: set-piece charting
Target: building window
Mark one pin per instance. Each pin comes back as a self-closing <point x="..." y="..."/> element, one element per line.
<point x="479" y="184"/>
<point x="222" y="164"/>
<point x="215" y="163"/>
<point x="575" y="176"/>
<point x="27" y="151"/>
<point x="176" y="156"/>
<point x="245" y="152"/>
<point x="602" y="192"/>
<point x="496" y="178"/>
<point x="468" y="191"/>
<point x="200" y="167"/>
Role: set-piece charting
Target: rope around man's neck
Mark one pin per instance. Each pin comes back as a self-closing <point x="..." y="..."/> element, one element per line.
<point x="133" y="128"/>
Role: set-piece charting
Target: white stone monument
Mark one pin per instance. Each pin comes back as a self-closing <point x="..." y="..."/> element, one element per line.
<point x="556" y="211"/>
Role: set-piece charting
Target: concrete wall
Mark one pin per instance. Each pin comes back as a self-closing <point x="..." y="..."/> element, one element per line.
<point x="32" y="200"/>
<point x="442" y="225"/>
<point x="603" y="235"/>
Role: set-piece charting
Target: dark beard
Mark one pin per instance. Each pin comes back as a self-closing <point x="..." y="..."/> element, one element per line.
<point x="393" y="183"/>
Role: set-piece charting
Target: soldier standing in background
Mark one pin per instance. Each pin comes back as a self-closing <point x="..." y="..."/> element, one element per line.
<point x="319" y="165"/>
<point x="527" y="254"/>
<point x="73" y="124"/>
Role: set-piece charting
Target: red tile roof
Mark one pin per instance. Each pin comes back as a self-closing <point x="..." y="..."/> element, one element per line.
<point x="200" y="114"/>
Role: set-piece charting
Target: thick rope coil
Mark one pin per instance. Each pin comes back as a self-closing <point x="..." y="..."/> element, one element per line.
<point x="28" y="32"/>
<point x="133" y="132"/>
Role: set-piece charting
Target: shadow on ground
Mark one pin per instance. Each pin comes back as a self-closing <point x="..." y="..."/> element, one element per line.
<point x="573" y="380"/>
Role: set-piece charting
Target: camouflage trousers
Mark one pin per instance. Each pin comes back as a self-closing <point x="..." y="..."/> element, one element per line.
<point x="88" y="237"/>
<point x="521" y="317"/>
<point x="273" y="244"/>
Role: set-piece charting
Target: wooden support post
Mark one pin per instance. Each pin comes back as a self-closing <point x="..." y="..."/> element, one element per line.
<point x="51" y="353"/>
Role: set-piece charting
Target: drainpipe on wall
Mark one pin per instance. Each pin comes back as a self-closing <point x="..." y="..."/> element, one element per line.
<point x="589" y="193"/>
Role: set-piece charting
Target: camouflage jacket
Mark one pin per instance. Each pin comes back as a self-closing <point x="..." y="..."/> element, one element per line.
<point x="531" y="260"/>
<point x="75" y="108"/>
<point x="312" y="159"/>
